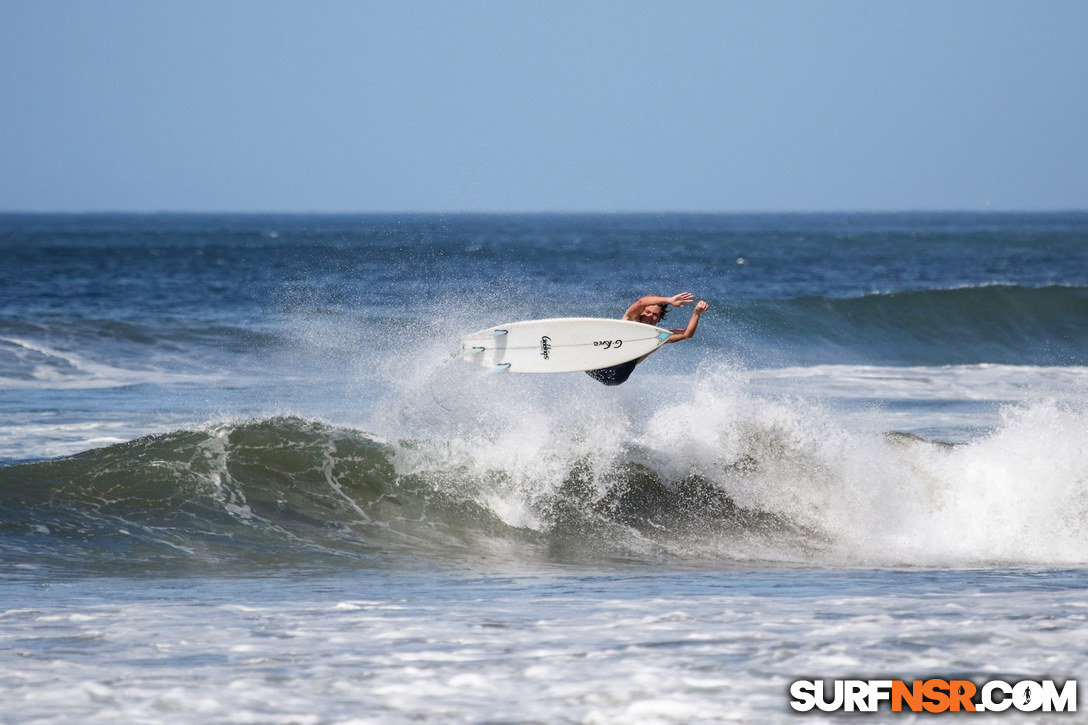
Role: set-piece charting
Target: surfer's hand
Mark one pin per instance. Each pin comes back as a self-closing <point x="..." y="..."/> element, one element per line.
<point x="681" y="299"/>
<point x="700" y="308"/>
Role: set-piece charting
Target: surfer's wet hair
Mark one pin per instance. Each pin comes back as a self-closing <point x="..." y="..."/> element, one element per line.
<point x="664" y="310"/>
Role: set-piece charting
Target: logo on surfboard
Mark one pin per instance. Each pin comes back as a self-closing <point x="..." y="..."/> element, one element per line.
<point x="545" y="347"/>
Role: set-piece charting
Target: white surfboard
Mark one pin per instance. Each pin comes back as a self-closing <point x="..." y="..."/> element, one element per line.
<point x="561" y="345"/>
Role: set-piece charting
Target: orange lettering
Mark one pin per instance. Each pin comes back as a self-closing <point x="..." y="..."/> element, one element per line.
<point x="961" y="692"/>
<point x="912" y="695"/>
<point x="935" y="691"/>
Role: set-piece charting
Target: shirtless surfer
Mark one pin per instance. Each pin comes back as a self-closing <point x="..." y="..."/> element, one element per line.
<point x="650" y="310"/>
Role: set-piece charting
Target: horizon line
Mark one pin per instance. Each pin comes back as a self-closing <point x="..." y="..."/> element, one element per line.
<point x="471" y="212"/>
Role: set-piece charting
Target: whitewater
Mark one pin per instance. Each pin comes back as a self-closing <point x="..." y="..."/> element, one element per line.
<point x="245" y="478"/>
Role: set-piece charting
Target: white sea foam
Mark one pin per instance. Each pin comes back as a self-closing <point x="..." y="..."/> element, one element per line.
<point x="561" y="647"/>
<point x="1011" y="494"/>
<point x="42" y="367"/>
<point x="984" y="382"/>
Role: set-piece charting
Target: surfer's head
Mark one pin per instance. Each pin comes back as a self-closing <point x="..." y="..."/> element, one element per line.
<point x="653" y="314"/>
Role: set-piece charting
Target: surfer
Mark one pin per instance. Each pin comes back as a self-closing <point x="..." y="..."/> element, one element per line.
<point x="650" y="310"/>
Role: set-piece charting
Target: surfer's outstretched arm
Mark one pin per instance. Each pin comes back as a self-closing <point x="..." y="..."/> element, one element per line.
<point x="693" y="324"/>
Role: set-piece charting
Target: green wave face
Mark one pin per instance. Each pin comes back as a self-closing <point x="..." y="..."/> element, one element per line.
<point x="289" y="493"/>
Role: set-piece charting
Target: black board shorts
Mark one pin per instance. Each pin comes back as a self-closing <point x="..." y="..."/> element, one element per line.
<point x="614" y="375"/>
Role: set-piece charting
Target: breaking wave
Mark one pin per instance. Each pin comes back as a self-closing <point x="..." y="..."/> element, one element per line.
<point x="750" y="481"/>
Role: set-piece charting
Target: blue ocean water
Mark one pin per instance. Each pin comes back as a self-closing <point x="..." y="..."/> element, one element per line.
<point x="244" y="477"/>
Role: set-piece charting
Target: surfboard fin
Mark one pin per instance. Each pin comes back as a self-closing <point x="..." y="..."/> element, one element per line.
<point x="473" y="351"/>
<point x="500" y="368"/>
<point x="498" y="333"/>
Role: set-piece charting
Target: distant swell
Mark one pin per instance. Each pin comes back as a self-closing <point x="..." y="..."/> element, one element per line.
<point x="998" y="324"/>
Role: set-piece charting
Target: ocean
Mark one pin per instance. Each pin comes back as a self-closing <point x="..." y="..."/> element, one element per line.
<point x="244" y="477"/>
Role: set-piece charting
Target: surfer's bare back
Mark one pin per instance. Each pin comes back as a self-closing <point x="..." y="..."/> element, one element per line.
<point x="650" y="310"/>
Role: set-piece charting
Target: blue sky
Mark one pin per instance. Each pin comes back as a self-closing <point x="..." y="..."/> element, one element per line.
<point x="505" y="106"/>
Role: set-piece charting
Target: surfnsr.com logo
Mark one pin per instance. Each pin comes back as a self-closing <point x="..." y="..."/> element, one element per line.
<point x="934" y="695"/>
